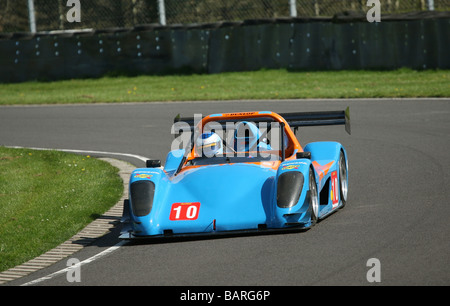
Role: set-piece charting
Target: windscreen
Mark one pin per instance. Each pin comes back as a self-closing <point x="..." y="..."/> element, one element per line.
<point x="237" y="141"/>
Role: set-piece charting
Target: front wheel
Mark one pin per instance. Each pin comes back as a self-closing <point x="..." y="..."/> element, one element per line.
<point x="343" y="179"/>
<point x="314" y="199"/>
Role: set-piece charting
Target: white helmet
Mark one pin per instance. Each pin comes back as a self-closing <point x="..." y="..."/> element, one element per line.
<point x="209" y="144"/>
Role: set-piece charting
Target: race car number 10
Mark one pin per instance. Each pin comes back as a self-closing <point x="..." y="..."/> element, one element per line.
<point x="184" y="211"/>
<point x="334" y="189"/>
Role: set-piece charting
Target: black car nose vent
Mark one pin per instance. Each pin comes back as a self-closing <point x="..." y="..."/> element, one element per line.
<point x="141" y="197"/>
<point x="289" y="188"/>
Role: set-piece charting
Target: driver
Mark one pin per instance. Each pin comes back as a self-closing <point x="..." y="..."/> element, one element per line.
<point x="209" y="145"/>
<point x="248" y="138"/>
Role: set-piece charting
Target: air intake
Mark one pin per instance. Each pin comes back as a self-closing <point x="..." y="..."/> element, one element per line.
<point x="141" y="197"/>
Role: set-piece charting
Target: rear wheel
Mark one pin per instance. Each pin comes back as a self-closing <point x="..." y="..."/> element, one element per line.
<point x="314" y="199"/>
<point x="343" y="179"/>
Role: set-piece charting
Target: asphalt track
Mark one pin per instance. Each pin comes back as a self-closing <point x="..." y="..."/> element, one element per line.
<point x="398" y="207"/>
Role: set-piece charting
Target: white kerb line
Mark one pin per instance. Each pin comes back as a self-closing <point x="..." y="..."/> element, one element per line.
<point x="86" y="261"/>
<point x="139" y="157"/>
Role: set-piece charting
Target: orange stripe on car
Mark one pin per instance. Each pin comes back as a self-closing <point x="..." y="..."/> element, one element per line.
<point x="322" y="170"/>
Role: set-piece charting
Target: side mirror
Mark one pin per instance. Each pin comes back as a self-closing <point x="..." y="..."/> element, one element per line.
<point x="153" y="163"/>
<point x="303" y="155"/>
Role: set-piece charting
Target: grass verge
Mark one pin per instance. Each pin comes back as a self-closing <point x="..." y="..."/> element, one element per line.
<point x="46" y="197"/>
<point x="263" y="84"/>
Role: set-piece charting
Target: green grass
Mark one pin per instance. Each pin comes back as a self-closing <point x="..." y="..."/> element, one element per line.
<point x="264" y="84"/>
<point x="46" y="197"/>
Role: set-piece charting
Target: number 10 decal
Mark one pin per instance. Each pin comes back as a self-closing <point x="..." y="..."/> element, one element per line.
<point x="334" y="189"/>
<point x="184" y="211"/>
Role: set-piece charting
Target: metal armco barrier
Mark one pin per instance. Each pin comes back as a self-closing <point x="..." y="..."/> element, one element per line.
<point x="297" y="44"/>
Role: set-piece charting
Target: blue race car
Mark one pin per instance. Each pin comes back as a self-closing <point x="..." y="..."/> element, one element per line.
<point x="239" y="172"/>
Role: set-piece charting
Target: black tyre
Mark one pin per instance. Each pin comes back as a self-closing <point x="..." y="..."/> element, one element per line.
<point x="343" y="179"/>
<point x="314" y="198"/>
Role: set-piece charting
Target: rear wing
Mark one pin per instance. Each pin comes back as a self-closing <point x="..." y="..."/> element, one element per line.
<point x="296" y="120"/>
